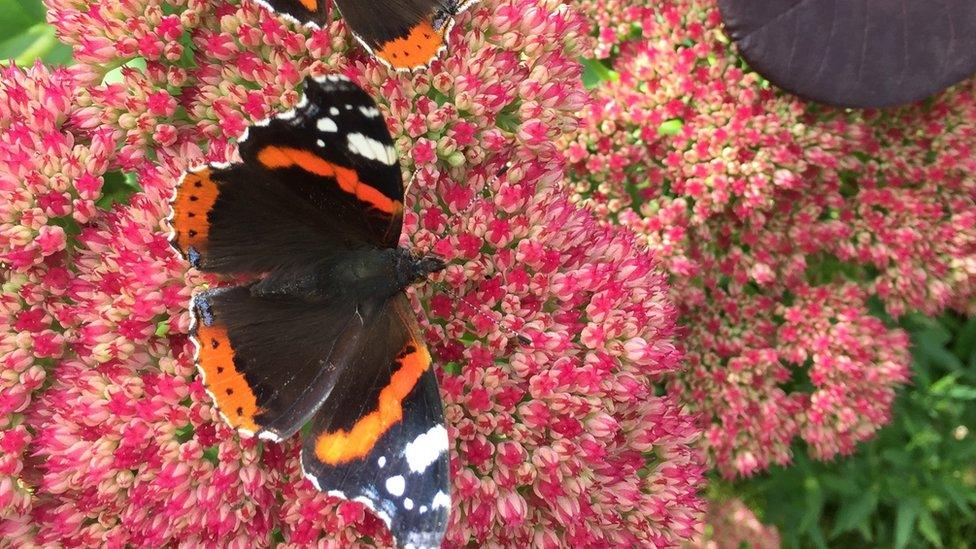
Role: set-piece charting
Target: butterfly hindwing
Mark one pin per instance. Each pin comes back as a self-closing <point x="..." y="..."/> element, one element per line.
<point x="380" y="438"/>
<point x="319" y="178"/>
<point x="402" y="34"/>
<point x="267" y="362"/>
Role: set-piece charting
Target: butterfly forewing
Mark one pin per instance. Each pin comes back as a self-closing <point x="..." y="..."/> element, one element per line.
<point x="336" y="140"/>
<point x="318" y="179"/>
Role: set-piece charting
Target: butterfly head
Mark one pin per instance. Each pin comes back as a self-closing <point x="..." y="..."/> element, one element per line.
<point x="424" y="266"/>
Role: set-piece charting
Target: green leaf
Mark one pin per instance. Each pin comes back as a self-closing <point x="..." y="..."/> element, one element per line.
<point x="34" y="8"/>
<point x="18" y="15"/>
<point x="814" y="505"/>
<point x="212" y="454"/>
<point x="114" y="76"/>
<point x="596" y="73"/>
<point x="853" y="513"/>
<point x="965" y="344"/>
<point x="26" y="38"/>
<point x="671" y="127"/>
<point x="928" y="528"/>
<point x="943" y="385"/>
<point x="962" y="392"/>
<point x="118" y="187"/>
<point x="959" y="499"/>
<point x="905" y="522"/>
<point x="184" y="433"/>
<point x="70" y="226"/>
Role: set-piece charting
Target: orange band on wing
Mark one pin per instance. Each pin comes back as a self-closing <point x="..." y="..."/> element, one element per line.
<point x="310" y="5"/>
<point x="231" y="393"/>
<point x="418" y="48"/>
<point x="195" y="197"/>
<point x="341" y="446"/>
<point x="348" y="180"/>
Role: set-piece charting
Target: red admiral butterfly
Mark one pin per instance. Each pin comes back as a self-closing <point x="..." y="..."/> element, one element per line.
<point x="402" y="34"/>
<point x="326" y="332"/>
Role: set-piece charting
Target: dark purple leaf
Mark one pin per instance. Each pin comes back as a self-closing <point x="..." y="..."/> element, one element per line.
<point x="856" y="53"/>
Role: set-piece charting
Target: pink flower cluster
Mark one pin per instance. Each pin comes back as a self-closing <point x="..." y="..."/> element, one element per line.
<point x="780" y="222"/>
<point x="733" y="524"/>
<point x="49" y="178"/>
<point x="564" y="439"/>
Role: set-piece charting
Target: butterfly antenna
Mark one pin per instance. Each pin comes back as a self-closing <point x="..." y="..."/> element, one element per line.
<point x="406" y="189"/>
<point x="480" y="311"/>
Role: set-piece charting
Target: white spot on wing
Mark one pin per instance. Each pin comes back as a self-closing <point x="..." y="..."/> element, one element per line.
<point x="370" y="148"/>
<point x="426" y="448"/>
<point x="320" y="143"/>
<point x="357" y="144"/>
<point x="326" y="124"/>
<point x="423" y="508"/>
<point x="396" y="485"/>
<point x="381" y="462"/>
<point x="268" y="435"/>
<point x="441" y="500"/>
<point x="369" y="112"/>
<point x="302" y="102"/>
<point x="391" y="155"/>
<point x="333" y="111"/>
<point x="337" y="494"/>
<point x="407" y="504"/>
<point x="262" y="123"/>
<point x="287" y="115"/>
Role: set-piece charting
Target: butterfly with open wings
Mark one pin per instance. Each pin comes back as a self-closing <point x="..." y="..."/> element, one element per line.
<point x="325" y="333"/>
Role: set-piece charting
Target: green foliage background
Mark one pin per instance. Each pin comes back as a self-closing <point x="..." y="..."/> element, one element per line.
<point x="914" y="485"/>
<point x="26" y="37"/>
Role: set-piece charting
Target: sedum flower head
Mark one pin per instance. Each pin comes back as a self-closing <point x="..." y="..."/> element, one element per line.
<point x="566" y="433"/>
<point x="783" y="226"/>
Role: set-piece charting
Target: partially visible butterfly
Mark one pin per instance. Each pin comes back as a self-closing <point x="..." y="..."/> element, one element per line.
<point x="326" y="332"/>
<point x="402" y="34"/>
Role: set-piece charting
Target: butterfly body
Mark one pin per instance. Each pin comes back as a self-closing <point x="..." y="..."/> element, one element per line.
<point x="376" y="273"/>
<point x="325" y="332"/>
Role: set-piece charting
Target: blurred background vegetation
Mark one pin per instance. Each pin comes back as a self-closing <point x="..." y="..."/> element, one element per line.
<point x="26" y="37"/>
<point x="914" y="485"/>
